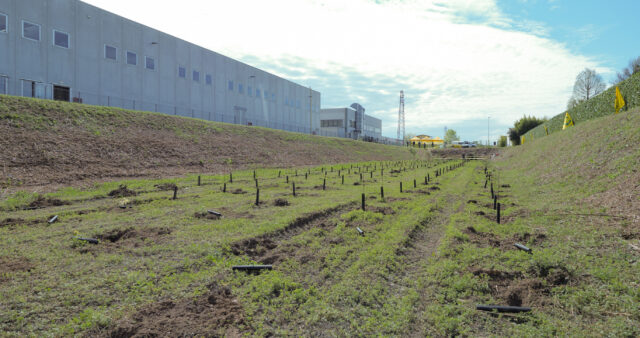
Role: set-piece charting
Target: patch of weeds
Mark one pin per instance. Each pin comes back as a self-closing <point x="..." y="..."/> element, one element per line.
<point x="87" y="319"/>
<point x="18" y="200"/>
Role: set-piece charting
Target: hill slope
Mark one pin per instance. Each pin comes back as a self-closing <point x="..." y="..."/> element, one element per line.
<point x="598" y="106"/>
<point x="44" y="142"/>
<point x="599" y="159"/>
<point x="578" y="190"/>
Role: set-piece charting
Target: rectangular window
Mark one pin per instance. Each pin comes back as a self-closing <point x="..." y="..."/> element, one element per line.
<point x="28" y="88"/>
<point x="258" y="93"/>
<point x="249" y="91"/>
<point x="132" y="58"/>
<point x="331" y="123"/>
<point x="4" y="22"/>
<point x="196" y="76"/>
<point x="240" y="88"/>
<point x="111" y="53"/>
<point x="61" y="93"/>
<point x="182" y="72"/>
<point x="60" y="39"/>
<point x="150" y="63"/>
<point x="208" y="79"/>
<point x="3" y="85"/>
<point x="30" y="31"/>
<point x="273" y="97"/>
<point x="286" y="101"/>
<point x="231" y="85"/>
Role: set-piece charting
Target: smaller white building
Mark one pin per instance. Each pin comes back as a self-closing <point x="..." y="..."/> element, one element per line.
<point x="350" y="122"/>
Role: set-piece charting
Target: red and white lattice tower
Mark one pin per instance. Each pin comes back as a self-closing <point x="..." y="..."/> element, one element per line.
<point x="401" y="118"/>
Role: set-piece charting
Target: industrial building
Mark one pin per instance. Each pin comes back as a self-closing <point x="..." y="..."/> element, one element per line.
<point x="350" y="122"/>
<point x="69" y="50"/>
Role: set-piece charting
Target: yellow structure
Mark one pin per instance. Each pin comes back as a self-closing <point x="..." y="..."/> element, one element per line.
<point x="426" y="141"/>
<point x="619" y="103"/>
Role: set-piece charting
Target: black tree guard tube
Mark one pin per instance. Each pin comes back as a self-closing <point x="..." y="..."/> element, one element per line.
<point x="257" y="196"/>
<point x="88" y="240"/>
<point x="251" y="267"/>
<point x="215" y="213"/>
<point x="501" y="308"/>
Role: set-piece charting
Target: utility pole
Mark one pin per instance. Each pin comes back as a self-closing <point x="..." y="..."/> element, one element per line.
<point x="488" y="131"/>
<point x="401" y="118"/>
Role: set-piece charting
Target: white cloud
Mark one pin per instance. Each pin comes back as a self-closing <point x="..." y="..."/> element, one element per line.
<point x="457" y="60"/>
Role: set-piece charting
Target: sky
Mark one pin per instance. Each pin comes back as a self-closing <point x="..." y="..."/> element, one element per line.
<point x="475" y="66"/>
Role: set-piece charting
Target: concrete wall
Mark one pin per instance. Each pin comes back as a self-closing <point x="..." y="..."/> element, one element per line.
<point x="372" y="127"/>
<point x="346" y="115"/>
<point x="100" y="81"/>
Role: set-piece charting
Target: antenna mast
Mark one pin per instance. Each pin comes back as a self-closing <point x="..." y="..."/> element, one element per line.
<point x="401" y="118"/>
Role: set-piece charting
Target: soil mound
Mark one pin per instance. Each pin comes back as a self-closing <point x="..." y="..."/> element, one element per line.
<point x="42" y="202"/>
<point x="122" y="191"/>
<point x="208" y="315"/>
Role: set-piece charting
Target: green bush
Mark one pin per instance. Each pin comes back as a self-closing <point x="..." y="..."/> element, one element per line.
<point x="503" y="141"/>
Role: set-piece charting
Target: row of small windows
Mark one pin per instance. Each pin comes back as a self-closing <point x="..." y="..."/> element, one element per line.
<point x="331" y="123"/>
<point x="111" y="53"/>
<point x="32" y="31"/>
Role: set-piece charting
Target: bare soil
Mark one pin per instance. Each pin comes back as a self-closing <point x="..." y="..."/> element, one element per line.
<point x="60" y="143"/>
<point x="42" y="202"/>
<point x="14" y="264"/>
<point x="126" y="239"/>
<point x="216" y="313"/>
<point x="263" y="248"/>
<point x="122" y="191"/>
<point x="485" y="239"/>
<point x="515" y="289"/>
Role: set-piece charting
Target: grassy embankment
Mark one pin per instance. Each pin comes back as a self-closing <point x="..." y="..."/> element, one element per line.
<point x="47" y="142"/>
<point x="424" y="263"/>
<point x="574" y="199"/>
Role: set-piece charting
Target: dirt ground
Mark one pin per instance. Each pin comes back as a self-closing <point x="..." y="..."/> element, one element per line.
<point x="57" y="143"/>
<point x="456" y="153"/>
<point x="208" y="315"/>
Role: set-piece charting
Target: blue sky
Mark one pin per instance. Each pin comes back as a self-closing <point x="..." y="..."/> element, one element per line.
<point x="458" y="61"/>
<point x="606" y="30"/>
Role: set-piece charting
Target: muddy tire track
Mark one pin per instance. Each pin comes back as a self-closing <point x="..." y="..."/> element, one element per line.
<point x="263" y="248"/>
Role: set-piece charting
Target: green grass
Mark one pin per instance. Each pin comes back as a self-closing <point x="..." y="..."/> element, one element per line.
<point x="74" y="287"/>
<point x="423" y="264"/>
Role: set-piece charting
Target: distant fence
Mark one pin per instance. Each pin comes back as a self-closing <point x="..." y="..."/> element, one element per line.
<point x="601" y="105"/>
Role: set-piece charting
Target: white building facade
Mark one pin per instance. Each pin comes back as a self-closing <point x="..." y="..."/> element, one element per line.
<point x="72" y="51"/>
<point x="350" y="122"/>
